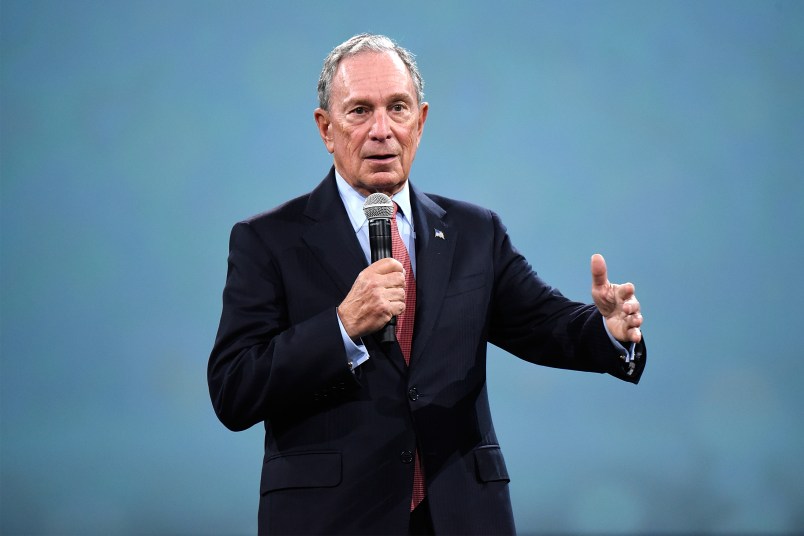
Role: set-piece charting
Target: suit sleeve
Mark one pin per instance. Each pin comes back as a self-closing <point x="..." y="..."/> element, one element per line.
<point x="260" y="364"/>
<point x="537" y="323"/>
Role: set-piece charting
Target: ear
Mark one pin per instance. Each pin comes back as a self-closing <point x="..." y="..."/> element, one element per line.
<point x="322" y="120"/>
<point x="423" y="109"/>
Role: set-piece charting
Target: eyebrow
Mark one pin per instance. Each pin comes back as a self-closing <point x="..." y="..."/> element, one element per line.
<point x="405" y="97"/>
<point x="395" y="97"/>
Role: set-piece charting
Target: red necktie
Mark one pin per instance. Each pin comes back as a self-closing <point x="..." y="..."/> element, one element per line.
<point x="404" y="335"/>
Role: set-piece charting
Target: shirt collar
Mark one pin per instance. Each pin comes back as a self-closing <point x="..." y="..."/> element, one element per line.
<point x="353" y="201"/>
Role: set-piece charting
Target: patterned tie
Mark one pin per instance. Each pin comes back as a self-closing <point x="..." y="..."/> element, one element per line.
<point x="404" y="335"/>
<point x="404" y="322"/>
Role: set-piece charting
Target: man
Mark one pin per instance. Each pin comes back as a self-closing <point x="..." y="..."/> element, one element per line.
<point x="364" y="437"/>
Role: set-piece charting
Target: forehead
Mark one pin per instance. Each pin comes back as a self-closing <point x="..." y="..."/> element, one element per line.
<point x="372" y="75"/>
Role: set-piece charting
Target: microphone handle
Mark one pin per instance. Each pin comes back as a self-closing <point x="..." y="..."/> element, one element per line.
<point x="388" y="331"/>
<point x="380" y="245"/>
<point x="380" y="239"/>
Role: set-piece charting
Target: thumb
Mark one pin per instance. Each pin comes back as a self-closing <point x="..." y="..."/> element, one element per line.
<point x="599" y="274"/>
<point x="386" y="266"/>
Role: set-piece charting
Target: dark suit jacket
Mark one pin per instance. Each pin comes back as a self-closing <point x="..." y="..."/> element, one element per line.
<point x="339" y="445"/>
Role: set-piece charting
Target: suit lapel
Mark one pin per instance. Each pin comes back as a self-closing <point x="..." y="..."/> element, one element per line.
<point x="330" y="235"/>
<point x="435" y="246"/>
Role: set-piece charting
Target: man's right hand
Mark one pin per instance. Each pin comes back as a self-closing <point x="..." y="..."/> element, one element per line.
<point x="377" y="294"/>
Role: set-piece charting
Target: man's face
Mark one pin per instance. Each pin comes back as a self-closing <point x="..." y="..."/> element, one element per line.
<point x="374" y="124"/>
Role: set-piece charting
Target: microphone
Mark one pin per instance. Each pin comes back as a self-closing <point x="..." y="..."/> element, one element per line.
<point x="379" y="209"/>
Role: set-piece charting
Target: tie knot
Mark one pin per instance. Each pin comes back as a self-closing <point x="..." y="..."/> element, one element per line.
<point x="396" y="209"/>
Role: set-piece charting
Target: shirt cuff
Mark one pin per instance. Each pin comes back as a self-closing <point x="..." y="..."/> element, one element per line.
<point x="356" y="354"/>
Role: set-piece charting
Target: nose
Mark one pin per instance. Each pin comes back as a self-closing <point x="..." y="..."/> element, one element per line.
<point x="380" y="129"/>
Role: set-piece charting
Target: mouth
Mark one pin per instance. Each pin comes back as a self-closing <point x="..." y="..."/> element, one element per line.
<point x="381" y="157"/>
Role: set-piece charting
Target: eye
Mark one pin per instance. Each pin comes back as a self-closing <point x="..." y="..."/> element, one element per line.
<point x="360" y="110"/>
<point x="398" y="107"/>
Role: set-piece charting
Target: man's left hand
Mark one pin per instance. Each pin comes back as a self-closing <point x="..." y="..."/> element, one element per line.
<point x="617" y="303"/>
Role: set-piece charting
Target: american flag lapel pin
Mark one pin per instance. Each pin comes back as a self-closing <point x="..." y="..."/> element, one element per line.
<point x="439" y="234"/>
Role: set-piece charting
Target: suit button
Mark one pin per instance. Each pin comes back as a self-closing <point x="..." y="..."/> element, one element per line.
<point x="413" y="394"/>
<point x="406" y="456"/>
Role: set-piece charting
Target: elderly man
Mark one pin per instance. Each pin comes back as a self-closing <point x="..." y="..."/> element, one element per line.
<point x="370" y="437"/>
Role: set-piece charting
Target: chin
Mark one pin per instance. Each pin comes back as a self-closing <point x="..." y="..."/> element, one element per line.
<point x="387" y="183"/>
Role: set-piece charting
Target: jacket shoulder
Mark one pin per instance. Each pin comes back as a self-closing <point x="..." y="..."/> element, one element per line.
<point x="288" y="211"/>
<point x="313" y="205"/>
<point x="467" y="216"/>
<point x="464" y="208"/>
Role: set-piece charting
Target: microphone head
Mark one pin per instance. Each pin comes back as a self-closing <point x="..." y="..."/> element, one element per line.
<point x="378" y="206"/>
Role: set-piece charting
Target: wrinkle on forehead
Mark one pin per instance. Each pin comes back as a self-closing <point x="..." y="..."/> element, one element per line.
<point x="373" y="75"/>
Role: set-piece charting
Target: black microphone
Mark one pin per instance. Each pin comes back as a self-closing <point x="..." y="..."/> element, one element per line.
<point x="379" y="209"/>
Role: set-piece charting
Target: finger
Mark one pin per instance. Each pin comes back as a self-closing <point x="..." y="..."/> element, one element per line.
<point x="393" y="280"/>
<point x="634" y="321"/>
<point x="396" y="294"/>
<point x="393" y="302"/>
<point x="387" y="266"/>
<point x="631" y="306"/>
<point x="635" y="335"/>
<point x="625" y="292"/>
<point x="599" y="273"/>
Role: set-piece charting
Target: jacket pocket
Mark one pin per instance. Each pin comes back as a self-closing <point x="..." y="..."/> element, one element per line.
<point x="301" y="470"/>
<point x="490" y="464"/>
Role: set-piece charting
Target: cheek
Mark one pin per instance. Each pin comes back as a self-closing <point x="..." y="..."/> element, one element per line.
<point x="351" y="148"/>
<point x="412" y="142"/>
<point x="351" y="141"/>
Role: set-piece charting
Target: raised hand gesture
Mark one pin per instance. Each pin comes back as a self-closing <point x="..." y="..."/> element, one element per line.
<point x="617" y="303"/>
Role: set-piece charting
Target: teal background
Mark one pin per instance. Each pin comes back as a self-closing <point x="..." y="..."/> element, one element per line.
<point x="665" y="135"/>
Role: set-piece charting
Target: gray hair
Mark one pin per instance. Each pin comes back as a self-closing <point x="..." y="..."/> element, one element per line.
<point x="365" y="43"/>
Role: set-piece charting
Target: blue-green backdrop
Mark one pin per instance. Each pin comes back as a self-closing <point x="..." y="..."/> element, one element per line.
<point x="666" y="135"/>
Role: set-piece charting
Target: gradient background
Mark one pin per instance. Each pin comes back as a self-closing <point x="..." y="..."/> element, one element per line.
<point x="666" y="135"/>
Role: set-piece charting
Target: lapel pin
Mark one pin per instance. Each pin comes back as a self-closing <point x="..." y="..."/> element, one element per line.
<point x="439" y="234"/>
